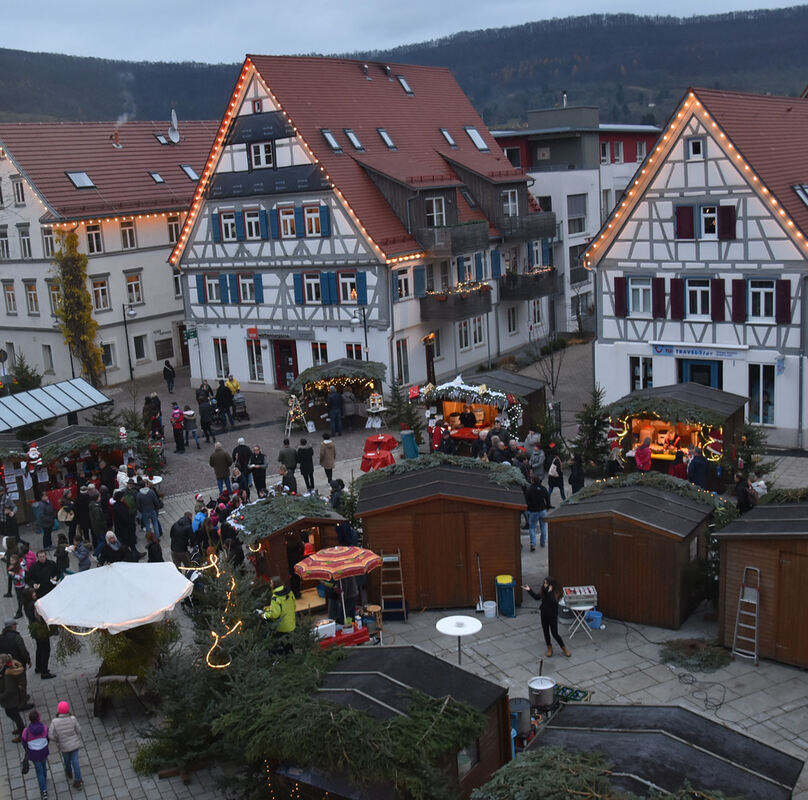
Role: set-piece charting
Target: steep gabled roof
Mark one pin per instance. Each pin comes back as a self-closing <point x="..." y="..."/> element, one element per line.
<point x="765" y="138"/>
<point x="45" y="152"/>
<point x="319" y="94"/>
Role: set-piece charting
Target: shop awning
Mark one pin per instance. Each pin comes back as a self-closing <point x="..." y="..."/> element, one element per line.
<point x="48" y="402"/>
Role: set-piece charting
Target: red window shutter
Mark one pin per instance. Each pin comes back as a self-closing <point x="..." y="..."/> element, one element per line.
<point x="620" y="297"/>
<point x="717" y="298"/>
<point x="677" y="291"/>
<point x="658" y="298"/>
<point x="782" y="300"/>
<point x="739" y="300"/>
<point x="726" y="223"/>
<point x="685" y="225"/>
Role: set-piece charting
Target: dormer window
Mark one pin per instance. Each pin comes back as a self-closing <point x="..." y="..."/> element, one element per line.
<point x="331" y="140"/>
<point x="262" y="155"/>
<point x="353" y="139"/>
<point x="386" y="138"/>
<point x="449" y="138"/>
<point x="81" y="180"/>
<point x="404" y="85"/>
<point x="476" y="138"/>
<point x="189" y="171"/>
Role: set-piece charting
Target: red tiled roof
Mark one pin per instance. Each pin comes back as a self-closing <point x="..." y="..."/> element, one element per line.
<point x="44" y="152"/>
<point x="771" y="133"/>
<point x="335" y="94"/>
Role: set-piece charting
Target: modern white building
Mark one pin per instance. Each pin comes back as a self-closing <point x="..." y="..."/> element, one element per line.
<point x="126" y="191"/>
<point x="359" y="210"/>
<point x="701" y="268"/>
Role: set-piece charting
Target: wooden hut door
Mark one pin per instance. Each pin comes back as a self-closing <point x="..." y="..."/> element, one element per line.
<point x="443" y="572"/>
<point x="792" y="641"/>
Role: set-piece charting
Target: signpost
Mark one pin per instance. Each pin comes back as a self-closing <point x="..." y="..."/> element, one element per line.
<point x="193" y="333"/>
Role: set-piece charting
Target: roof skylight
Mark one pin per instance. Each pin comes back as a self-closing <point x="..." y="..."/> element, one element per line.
<point x="386" y="138"/>
<point x="157" y="177"/>
<point x="475" y="137"/>
<point x="160" y="138"/>
<point x="449" y="138"/>
<point x="81" y="180"/>
<point x="404" y="85"/>
<point x="802" y="192"/>
<point x="331" y="139"/>
<point x="189" y="171"/>
<point x="353" y="139"/>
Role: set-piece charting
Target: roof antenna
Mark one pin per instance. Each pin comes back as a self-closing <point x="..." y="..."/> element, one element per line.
<point x="388" y="72"/>
<point x="173" y="129"/>
<point x="366" y="69"/>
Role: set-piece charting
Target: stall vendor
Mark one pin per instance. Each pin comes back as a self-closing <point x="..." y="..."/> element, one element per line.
<point x="282" y="607"/>
<point x="468" y="418"/>
<point x="672" y="440"/>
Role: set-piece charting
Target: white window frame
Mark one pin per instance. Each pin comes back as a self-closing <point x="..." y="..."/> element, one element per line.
<point x="639" y="297"/>
<point x="695" y="147"/>
<point x="177" y="285"/>
<point x="108" y="355"/>
<point x="435" y="212"/>
<point x="134" y="288"/>
<point x="173" y="223"/>
<point x="319" y="353"/>
<point x="512" y="320"/>
<point x="641" y="373"/>
<point x="100" y="291"/>
<point x="604" y="152"/>
<point x="262" y="155"/>
<point x="641" y="151"/>
<point x="95" y="240"/>
<point x="347" y="288"/>
<point x="227" y="225"/>
<point x="761" y="294"/>
<point x="19" y="191"/>
<point x="436" y="354"/>
<point x="246" y="287"/>
<point x="255" y="360"/>
<point x="54" y="297"/>
<point x="221" y="358"/>
<point x="353" y="350"/>
<point x="538" y="256"/>
<point x="618" y="152"/>
<point x="403" y="284"/>
<point x="311" y="221"/>
<point x="697" y="298"/>
<point x="252" y="224"/>
<point x="402" y="361"/>
<point x="25" y="242"/>
<point x="312" y="290"/>
<point x="143" y="339"/>
<point x="535" y="312"/>
<point x="47" y="358"/>
<point x="708" y="219"/>
<point x="5" y="252"/>
<point x="463" y="335"/>
<point x="213" y="290"/>
<point x="128" y="239"/>
<point x="510" y="202"/>
<point x="577" y="224"/>
<point x="286" y="222"/>
<point x="10" y="298"/>
<point x="48" y="242"/>
<point x="477" y="331"/>
<point x="468" y="268"/>
<point x="762" y="387"/>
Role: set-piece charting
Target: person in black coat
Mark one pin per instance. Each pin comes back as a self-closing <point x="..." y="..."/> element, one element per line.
<point x="258" y="470"/>
<point x="112" y="550"/>
<point x="169" y="374"/>
<point x="577" y="474"/>
<point x="305" y="460"/>
<point x="224" y="400"/>
<point x="335" y="410"/>
<point x="549" y="596"/>
<point x="82" y="509"/>
<point x="181" y="535"/>
<point x="42" y="575"/>
<point x="153" y="549"/>
<point x="697" y="469"/>
<point x="123" y="523"/>
<point x="206" y="419"/>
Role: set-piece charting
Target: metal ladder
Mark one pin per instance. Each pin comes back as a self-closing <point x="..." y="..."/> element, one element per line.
<point x="747" y="618"/>
<point x="392" y="583"/>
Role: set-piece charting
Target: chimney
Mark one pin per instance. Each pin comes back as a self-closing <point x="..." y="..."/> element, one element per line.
<point x="366" y="69"/>
<point x="564" y="99"/>
<point x="115" y="140"/>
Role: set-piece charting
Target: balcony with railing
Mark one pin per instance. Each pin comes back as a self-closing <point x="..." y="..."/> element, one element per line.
<point x="542" y="282"/>
<point x="451" y="240"/>
<point x="461" y="302"/>
<point x="527" y="227"/>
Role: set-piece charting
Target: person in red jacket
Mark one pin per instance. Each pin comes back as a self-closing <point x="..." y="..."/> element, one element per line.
<point x="642" y="456"/>
<point x="678" y="469"/>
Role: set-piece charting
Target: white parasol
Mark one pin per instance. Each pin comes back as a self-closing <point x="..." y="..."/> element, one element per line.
<point x="115" y="597"/>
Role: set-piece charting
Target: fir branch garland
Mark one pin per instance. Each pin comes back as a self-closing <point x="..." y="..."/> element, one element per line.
<point x="264" y="517"/>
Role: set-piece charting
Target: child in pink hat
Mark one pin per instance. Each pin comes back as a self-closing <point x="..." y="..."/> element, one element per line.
<point x="65" y="732"/>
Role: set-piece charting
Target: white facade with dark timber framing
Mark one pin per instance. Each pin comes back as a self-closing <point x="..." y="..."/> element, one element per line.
<point x="701" y="268"/>
<point x="343" y="212"/>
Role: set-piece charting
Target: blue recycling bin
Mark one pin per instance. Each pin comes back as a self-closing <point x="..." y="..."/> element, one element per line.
<point x="409" y="444"/>
<point x="506" y="595"/>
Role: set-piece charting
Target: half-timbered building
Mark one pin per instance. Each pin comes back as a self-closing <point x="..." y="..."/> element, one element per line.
<point x="362" y="210"/>
<point x="701" y="267"/>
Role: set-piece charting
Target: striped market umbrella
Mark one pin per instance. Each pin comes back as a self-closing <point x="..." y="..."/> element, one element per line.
<point x="336" y="563"/>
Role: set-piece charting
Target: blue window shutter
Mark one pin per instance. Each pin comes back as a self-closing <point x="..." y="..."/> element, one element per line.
<point x="361" y="288"/>
<point x="234" y="292"/>
<point x="531" y="260"/>
<point x="223" y="288"/>
<point x="496" y="264"/>
<point x="258" y="281"/>
<point x="262" y="224"/>
<point x="545" y="252"/>
<point x="419" y="281"/>
<point x="394" y="285"/>
<point x="332" y="285"/>
<point x="297" y="282"/>
<point x="478" y="266"/>
<point x="300" y="230"/>
<point x="214" y="227"/>
<point x="201" y="297"/>
<point x="461" y="269"/>
<point x="325" y="221"/>
<point x="273" y="223"/>
<point x="240" y="226"/>
<point x="325" y="289"/>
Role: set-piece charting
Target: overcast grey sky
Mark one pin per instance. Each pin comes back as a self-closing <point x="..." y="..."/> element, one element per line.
<point x="214" y="32"/>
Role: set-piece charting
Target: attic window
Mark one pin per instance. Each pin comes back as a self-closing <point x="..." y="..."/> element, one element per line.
<point x="386" y="138"/>
<point x="189" y="171"/>
<point x="81" y="180"/>
<point x="449" y="138"/>
<point x="331" y="139"/>
<point x="475" y="137"/>
<point x="468" y="197"/>
<point x="160" y="138"/>
<point x="353" y="139"/>
<point x="802" y="192"/>
<point x="157" y="177"/>
<point x="404" y="85"/>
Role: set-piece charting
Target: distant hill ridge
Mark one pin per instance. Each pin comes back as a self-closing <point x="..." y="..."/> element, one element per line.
<point x="633" y="67"/>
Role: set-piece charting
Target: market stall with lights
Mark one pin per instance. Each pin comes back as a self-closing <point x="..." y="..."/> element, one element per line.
<point x="681" y="416"/>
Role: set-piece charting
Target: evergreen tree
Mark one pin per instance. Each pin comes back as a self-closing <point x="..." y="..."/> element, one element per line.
<point x="407" y="414"/>
<point x="593" y="423"/>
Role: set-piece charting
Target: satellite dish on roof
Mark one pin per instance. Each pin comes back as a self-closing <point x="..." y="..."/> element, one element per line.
<point x="173" y="131"/>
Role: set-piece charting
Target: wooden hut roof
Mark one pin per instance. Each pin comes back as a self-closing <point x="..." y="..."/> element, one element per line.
<point x="72" y="437"/>
<point x="770" y="521"/>
<point x="662" y="510"/>
<point x="338" y="370"/>
<point x="510" y="382"/>
<point x="443" y="480"/>
<point x="272" y="515"/>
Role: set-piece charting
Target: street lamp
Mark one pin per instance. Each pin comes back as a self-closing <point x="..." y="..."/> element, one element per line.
<point x="128" y="311"/>
<point x="355" y="321"/>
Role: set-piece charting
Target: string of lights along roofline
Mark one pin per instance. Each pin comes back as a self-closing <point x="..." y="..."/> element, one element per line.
<point x="728" y="148"/>
<point x="213" y="158"/>
<point x="69" y="224"/>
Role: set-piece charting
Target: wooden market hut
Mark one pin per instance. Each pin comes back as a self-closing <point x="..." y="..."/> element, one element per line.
<point x="379" y="681"/>
<point x="700" y="415"/>
<point x="440" y="512"/>
<point x="774" y="539"/>
<point x="638" y="545"/>
<point x="262" y="528"/>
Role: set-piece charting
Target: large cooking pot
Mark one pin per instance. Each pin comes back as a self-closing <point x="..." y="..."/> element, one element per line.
<point x="520" y="711"/>
<point x="542" y="691"/>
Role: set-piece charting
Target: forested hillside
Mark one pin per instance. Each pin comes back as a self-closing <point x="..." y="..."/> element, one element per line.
<point x="634" y="68"/>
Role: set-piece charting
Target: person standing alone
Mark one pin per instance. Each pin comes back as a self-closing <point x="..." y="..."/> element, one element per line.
<point x="169" y="374"/>
<point x="65" y="732"/>
<point x="548" y="596"/>
<point x="335" y="410"/>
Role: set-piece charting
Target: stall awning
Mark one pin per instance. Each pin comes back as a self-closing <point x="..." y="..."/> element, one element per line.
<point x="338" y="371"/>
<point x="48" y="402"/>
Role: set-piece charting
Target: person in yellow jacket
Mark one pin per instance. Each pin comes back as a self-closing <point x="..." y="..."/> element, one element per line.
<point x="232" y="384"/>
<point x="282" y="608"/>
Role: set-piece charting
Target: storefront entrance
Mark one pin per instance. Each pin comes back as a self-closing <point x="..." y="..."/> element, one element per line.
<point x="707" y="373"/>
<point x="285" y="352"/>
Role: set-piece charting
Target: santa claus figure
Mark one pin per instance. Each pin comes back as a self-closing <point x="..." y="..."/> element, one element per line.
<point x="34" y="458"/>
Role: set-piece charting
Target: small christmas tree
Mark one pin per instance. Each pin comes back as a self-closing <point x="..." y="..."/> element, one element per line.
<point x="407" y="414"/>
<point x="593" y="423"/>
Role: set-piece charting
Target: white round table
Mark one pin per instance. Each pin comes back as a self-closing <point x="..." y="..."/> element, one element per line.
<point x="458" y="625"/>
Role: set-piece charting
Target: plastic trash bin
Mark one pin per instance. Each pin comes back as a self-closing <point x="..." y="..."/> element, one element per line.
<point x="506" y="595"/>
<point x="409" y="444"/>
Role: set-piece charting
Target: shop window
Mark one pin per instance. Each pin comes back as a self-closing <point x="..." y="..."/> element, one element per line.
<point x="641" y="369"/>
<point x="255" y="363"/>
<point x="761" y="394"/>
<point x="221" y="358"/>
